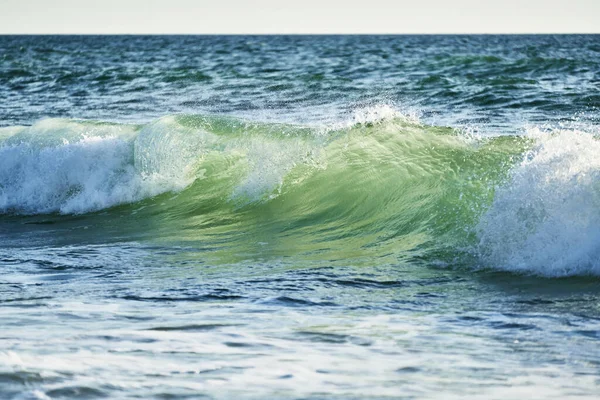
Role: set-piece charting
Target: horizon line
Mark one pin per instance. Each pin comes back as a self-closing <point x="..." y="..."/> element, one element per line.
<point x="298" y="34"/>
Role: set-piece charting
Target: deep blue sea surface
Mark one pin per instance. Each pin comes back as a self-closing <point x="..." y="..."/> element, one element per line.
<point x="300" y="217"/>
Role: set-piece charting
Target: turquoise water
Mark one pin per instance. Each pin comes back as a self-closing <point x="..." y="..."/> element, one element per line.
<point x="299" y="217"/>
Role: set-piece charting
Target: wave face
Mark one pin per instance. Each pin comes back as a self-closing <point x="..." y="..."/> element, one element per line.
<point x="382" y="186"/>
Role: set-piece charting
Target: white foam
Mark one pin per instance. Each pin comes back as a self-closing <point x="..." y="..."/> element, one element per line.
<point x="546" y="219"/>
<point x="68" y="167"/>
<point x="77" y="167"/>
<point x="376" y="114"/>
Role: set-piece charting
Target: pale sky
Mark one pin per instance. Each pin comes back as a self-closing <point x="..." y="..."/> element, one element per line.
<point x="299" y="16"/>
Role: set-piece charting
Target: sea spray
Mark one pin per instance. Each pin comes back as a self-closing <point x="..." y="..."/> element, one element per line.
<point x="546" y="219"/>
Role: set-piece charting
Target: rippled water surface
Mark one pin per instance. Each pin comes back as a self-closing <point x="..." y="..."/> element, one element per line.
<point x="299" y="217"/>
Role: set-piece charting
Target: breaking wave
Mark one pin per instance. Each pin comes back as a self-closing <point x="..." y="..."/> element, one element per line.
<point x="383" y="185"/>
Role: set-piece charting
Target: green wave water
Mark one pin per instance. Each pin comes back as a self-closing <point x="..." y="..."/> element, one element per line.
<point x="385" y="187"/>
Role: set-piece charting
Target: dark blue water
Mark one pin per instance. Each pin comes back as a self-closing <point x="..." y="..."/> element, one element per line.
<point x="490" y="80"/>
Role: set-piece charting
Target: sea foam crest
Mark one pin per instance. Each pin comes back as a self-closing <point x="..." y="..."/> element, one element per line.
<point x="375" y="114"/>
<point x="74" y="167"/>
<point x="546" y="219"/>
<point x="70" y="167"/>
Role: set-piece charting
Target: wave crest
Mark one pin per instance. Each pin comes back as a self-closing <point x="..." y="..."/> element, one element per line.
<point x="546" y="219"/>
<point x="74" y="167"/>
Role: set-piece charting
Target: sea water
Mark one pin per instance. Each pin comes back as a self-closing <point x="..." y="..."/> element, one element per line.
<point x="299" y="217"/>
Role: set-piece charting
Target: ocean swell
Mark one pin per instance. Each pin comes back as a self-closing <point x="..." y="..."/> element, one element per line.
<point x="384" y="185"/>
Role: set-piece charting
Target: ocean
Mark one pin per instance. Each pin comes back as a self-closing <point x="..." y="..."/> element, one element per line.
<point x="300" y="217"/>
